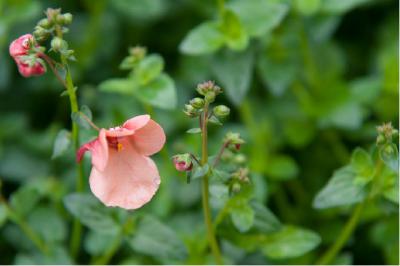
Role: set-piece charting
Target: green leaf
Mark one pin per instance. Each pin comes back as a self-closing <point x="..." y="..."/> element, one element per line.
<point x="290" y="242"/>
<point x="235" y="35"/>
<point x="62" y="143"/>
<point x="158" y="240"/>
<point x="390" y="156"/>
<point x="307" y="7"/>
<point x="118" y="85"/>
<point x="159" y="93"/>
<point x="214" y="120"/>
<point x="282" y="167"/>
<point x="48" y="224"/>
<point x="82" y="116"/>
<point x="195" y="130"/>
<point x="340" y="7"/>
<point x="234" y="72"/>
<point x="3" y="214"/>
<point x="264" y="221"/>
<point x="96" y="243"/>
<point x="258" y="16"/>
<point x="242" y="214"/>
<point x="363" y="166"/>
<point x="200" y="171"/>
<point x="149" y="68"/>
<point x="24" y="200"/>
<point x="203" y="39"/>
<point x="58" y="255"/>
<point x="340" y="190"/>
<point x="91" y="213"/>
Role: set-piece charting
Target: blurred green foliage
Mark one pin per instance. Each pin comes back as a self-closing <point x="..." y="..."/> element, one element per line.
<point x="307" y="82"/>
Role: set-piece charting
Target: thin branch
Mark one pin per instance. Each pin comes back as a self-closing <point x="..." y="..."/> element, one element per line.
<point x="90" y="122"/>
<point x="221" y="151"/>
<point x="49" y="61"/>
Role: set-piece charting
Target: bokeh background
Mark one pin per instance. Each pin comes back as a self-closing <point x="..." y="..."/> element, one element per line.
<point x="303" y="94"/>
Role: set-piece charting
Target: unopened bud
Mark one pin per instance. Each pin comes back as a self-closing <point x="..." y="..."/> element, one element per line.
<point x="44" y="23"/>
<point x="236" y="187"/>
<point x="67" y="18"/>
<point x="58" y="44"/>
<point x="183" y="162"/>
<point x="40" y="33"/>
<point x="210" y="96"/>
<point x="240" y="159"/>
<point x="380" y="139"/>
<point x="190" y="110"/>
<point x="221" y="111"/>
<point x="234" y="140"/>
<point x="197" y="103"/>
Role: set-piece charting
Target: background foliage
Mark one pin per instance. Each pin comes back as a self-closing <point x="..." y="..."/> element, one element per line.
<point x="307" y="80"/>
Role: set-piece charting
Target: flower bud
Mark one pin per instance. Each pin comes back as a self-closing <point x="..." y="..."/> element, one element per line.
<point x="380" y="139"/>
<point x="67" y="18"/>
<point x="240" y="159"/>
<point x="221" y="111"/>
<point x="234" y="140"/>
<point x="235" y="187"/>
<point x="58" y="44"/>
<point x="29" y="68"/>
<point x="138" y="52"/>
<point x="40" y="33"/>
<point x="44" y="23"/>
<point x="210" y="96"/>
<point x="183" y="162"/>
<point x="197" y="102"/>
<point x="190" y="110"/>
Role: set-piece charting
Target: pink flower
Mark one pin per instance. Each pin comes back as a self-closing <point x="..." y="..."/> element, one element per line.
<point x="19" y="49"/>
<point x="122" y="173"/>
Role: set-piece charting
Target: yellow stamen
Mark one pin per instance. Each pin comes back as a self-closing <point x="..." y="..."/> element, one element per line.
<point x="119" y="146"/>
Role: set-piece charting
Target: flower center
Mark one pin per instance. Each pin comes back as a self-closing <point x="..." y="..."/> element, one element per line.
<point x="113" y="142"/>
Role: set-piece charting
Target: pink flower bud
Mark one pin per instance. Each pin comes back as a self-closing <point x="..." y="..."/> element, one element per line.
<point x="20" y="46"/>
<point x="183" y="162"/>
<point x="28" y="71"/>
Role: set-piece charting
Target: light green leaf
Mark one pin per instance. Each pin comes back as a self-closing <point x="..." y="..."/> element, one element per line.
<point x="62" y="143"/>
<point x="264" y="221"/>
<point x="236" y="37"/>
<point x="290" y="242"/>
<point x="158" y="240"/>
<point x="340" y="190"/>
<point x="242" y="214"/>
<point x="118" y="85"/>
<point x="203" y="39"/>
<point x="149" y="68"/>
<point x="307" y="7"/>
<point x="91" y="213"/>
<point x="362" y="165"/>
<point x="282" y="167"/>
<point x="195" y="130"/>
<point x="160" y="93"/>
<point x="340" y="7"/>
<point x="258" y="16"/>
<point x="234" y="71"/>
<point x="390" y="156"/>
<point x="24" y="200"/>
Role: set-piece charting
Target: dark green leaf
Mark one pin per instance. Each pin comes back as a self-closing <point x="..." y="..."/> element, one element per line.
<point x="91" y="213"/>
<point x="48" y="224"/>
<point x="204" y="39"/>
<point x="158" y="240"/>
<point x="290" y="242"/>
<point x="24" y="200"/>
<point x="264" y="221"/>
<point x="62" y="143"/>
<point x="3" y="214"/>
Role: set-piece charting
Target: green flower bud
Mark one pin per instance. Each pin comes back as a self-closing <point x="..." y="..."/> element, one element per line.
<point x="40" y="33"/>
<point x="380" y="139"/>
<point x="235" y="187"/>
<point x="221" y="111"/>
<point x="190" y="111"/>
<point x="197" y="103"/>
<point x="67" y="18"/>
<point x="210" y="96"/>
<point x="240" y="159"/>
<point x="58" y="44"/>
<point x="44" y="23"/>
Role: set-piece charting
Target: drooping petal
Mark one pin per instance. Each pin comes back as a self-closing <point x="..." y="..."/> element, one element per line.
<point x="28" y="71"/>
<point x="119" y="132"/>
<point x="136" y="122"/>
<point x="20" y="46"/>
<point x="149" y="139"/>
<point x="99" y="150"/>
<point x="128" y="181"/>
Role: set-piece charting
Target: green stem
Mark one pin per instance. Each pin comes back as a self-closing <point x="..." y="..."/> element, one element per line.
<point x="351" y="224"/>
<point x="205" y="197"/>
<point x="76" y="227"/>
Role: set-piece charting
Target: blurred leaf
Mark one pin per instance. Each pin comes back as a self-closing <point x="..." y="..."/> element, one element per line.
<point x="118" y="85"/>
<point x="156" y="239"/>
<point x="3" y="214"/>
<point x="203" y="39"/>
<point x="195" y="130"/>
<point x="390" y="156"/>
<point x="24" y="200"/>
<point x="282" y="167"/>
<point x="258" y="16"/>
<point x="365" y="90"/>
<point x="61" y="143"/>
<point x="339" y="7"/>
<point x="264" y="221"/>
<point x="235" y="35"/>
<point x="49" y="225"/>
<point x="307" y="7"/>
<point x="96" y="243"/>
<point x="81" y="117"/>
<point x="160" y="93"/>
<point x="340" y="190"/>
<point x="214" y="120"/>
<point x="140" y="11"/>
<point x="290" y="242"/>
<point x="200" y="171"/>
<point x="242" y="214"/>
<point x="149" y="68"/>
<point x="363" y="166"/>
<point x="91" y="213"/>
<point x="234" y="72"/>
<point x="57" y="256"/>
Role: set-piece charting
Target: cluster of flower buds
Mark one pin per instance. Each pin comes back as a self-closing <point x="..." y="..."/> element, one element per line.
<point x="386" y="132"/>
<point x="234" y="141"/>
<point x="209" y="90"/>
<point x="26" y="54"/>
<point x="183" y="162"/>
<point x="239" y="178"/>
<point x="136" y="54"/>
